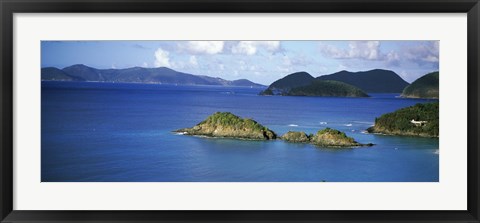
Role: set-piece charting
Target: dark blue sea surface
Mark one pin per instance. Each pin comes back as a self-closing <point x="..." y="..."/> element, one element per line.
<point x="112" y="132"/>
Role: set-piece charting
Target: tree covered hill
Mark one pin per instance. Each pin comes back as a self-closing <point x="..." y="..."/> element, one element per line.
<point x="372" y="81"/>
<point x="426" y="86"/>
<point x="288" y="82"/>
<point x="418" y="120"/>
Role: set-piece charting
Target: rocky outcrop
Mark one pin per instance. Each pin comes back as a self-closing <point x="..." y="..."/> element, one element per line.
<point x="296" y="137"/>
<point x="226" y="124"/>
<point x="325" y="138"/>
<point x="333" y="138"/>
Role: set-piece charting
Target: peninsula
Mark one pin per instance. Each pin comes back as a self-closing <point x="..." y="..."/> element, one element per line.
<point x="418" y="120"/>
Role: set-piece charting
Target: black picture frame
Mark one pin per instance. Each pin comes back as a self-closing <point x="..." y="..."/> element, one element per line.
<point x="9" y="7"/>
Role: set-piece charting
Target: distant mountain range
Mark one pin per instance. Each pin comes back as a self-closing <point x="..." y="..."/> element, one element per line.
<point x="372" y="81"/>
<point x="426" y="86"/>
<point x="160" y="75"/>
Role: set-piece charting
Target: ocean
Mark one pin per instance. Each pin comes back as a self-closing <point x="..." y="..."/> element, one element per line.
<point x="117" y="132"/>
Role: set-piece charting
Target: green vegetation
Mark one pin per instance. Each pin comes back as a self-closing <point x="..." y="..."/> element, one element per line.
<point x="324" y="138"/>
<point x="328" y="89"/>
<point x="292" y="136"/>
<point x="426" y="86"/>
<point x="226" y="124"/>
<point x="400" y="121"/>
<point x="229" y="119"/>
<point x="333" y="138"/>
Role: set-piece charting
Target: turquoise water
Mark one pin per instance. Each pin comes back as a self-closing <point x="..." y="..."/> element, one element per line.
<point x="111" y="132"/>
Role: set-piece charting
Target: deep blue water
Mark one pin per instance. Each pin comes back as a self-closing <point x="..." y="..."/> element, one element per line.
<point x="113" y="132"/>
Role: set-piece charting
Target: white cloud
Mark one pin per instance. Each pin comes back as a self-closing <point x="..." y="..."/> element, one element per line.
<point x="145" y="65"/>
<point x="393" y="58"/>
<point x="162" y="58"/>
<point x="428" y="52"/>
<point x="298" y="60"/>
<point x="422" y="53"/>
<point x="201" y="47"/>
<point x="193" y="61"/>
<point x="251" y="47"/>
<point x="244" y="47"/>
<point x="368" y="50"/>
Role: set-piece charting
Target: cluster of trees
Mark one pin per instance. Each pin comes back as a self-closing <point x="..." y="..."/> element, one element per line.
<point x="229" y="119"/>
<point x="399" y="122"/>
<point x="332" y="132"/>
<point x="335" y="134"/>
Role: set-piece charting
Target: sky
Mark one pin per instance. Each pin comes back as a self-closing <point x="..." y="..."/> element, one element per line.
<point x="259" y="61"/>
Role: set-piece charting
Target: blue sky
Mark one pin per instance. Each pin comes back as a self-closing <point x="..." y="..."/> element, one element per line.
<point x="259" y="61"/>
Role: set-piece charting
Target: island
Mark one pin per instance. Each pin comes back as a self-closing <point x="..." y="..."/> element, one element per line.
<point x="419" y="120"/>
<point x="327" y="89"/>
<point x="371" y="81"/>
<point x="297" y="137"/>
<point x="228" y="125"/>
<point x="324" y="138"/>
<point x="303" y="84"/>
<point x="426" y="86"/>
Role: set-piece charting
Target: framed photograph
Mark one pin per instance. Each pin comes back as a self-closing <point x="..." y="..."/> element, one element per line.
<point x="239" y="111"/>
